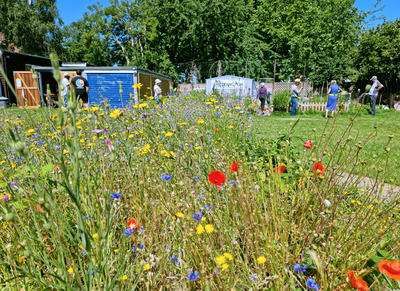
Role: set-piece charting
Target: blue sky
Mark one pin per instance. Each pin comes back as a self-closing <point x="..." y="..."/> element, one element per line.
<point x="72" y="10"/>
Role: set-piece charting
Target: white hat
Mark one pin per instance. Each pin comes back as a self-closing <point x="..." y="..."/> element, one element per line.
<point x="297" y="81"/>
<point x="374" y="77"/>
<point x="67" y="75"/>
<point x="158" y="81"/>
<point x="262" y="84"/>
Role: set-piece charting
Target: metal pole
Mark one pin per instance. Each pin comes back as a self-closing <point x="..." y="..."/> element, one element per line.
<point x="273" y="83"/>
<point x="246" y="70"/>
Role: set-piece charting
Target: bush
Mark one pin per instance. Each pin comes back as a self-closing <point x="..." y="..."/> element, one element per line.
<point x="281" y="100"/>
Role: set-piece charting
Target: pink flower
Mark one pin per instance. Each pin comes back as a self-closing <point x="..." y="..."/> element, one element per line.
<point x="97" y="130"/>
<point x="110" y="146"/>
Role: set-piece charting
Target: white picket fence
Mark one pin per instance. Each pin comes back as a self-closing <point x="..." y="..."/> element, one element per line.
<point x="319" y="106"/>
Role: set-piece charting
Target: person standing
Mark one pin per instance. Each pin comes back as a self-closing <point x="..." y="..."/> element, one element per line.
<point x="65" y="91"/>
<point x="81" y="86"/>
<point x="294" y="95"/>
<point x="373" y="93"/>
<point x="262" y="94"/>
<point x="157" y="91"/>
<point x="333" y="91"/>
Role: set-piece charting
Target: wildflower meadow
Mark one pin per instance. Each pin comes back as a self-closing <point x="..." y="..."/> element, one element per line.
<point x="182" y="196"/>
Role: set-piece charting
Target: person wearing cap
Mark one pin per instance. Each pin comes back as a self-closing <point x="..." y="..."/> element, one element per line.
<point x="294" y="94"/>
<point x="373" y="93"/>
<point x="333" y="91"/>
<point x="65" y="91"/>
<point x="262" y="94"/>
<point x="157" y="90"/>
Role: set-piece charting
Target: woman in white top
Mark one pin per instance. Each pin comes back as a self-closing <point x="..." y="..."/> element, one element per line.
<point x="157" y="90"/>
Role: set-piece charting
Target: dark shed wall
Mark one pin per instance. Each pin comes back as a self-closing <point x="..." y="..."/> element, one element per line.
<point x="11" y="62"/>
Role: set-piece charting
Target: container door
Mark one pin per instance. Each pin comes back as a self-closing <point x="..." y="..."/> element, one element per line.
<point x="106" y="86"/>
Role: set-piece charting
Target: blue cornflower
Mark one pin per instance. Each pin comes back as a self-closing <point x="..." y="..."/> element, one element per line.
<point x="93" y="272"/>
<point x="128" y="232"/>
<point x="253" y="277"/>
<point x="202" y="196"/>
<point x="196" y="178"/>
<point x="166" y="177"/>
<point x="197" y="216"/>
<point x="193" y="276"/>
<point x="116" y="196"/>
<point x="86" y="217"/>
<point x="84" y="252"/>
<point x="299" y="269"/>
<point x="174" y="259"/>
<point x="312" y="284"/>
<point x="141" y="229"/>
<point x="140" y="247"/>
<point x="209" y="207"/>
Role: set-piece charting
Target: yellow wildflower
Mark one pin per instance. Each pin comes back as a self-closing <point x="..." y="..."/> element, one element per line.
<point x="116" y="113"/>
<point x="142" y="105"/>
<point x="29" y="132"/>
<point x="146" y="267"/>
<point x="137" y="86"/>
<point x="96" y="235"/>
<point x="200" y="229"/>
<point x="209" y="228"/>
<point x="116" y="250"/>
<point x="261" y="260"/>
<point x="70" y="270"/>
<point x="168" y="134"/>
<point x="230" y="126"/>
<point x="180" y="215"/>
<point x="124" y="277"/>
<point x="224" y="267"/>
<point x="228" y="256"/>
<point x="220" y="260"/>
<point x="200" y="121"/>
<point x="21" y="260"/>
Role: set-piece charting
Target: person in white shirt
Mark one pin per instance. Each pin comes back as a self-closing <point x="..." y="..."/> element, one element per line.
<point x="157" y="91"/>
<point x="373" y="93"/>
<point x="65" y="91"/>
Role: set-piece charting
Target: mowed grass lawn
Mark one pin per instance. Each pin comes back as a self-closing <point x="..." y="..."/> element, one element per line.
<point x="311" y="126"/>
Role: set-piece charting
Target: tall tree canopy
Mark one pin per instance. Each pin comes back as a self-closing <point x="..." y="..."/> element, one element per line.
<point x="32" y="27"/>
<point x="378" y="53"/>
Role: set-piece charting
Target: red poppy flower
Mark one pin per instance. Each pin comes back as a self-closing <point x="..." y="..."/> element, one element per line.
<point x="392" y="269"/>
<point x="319" y="166"/>
<point x="308" y="144"/>
<point x="132" y="224"/>
<point x="357" y="283"/>
<point x="280" y="169"/>
<point x="217" y="129"/>
<point x="234" y="167"/>
<point x="216" y="177"/>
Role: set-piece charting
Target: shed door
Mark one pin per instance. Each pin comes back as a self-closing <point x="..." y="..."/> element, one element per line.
<point x="107" y="86"/>
<point x="26" y="88"/>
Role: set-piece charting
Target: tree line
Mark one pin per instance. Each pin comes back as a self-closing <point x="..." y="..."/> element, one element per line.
<point x="321" y="39"/>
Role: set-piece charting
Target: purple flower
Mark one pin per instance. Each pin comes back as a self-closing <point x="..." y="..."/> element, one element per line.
<point x="193" y="276"/>
<point x="197" y="216"/>
<point x="299" y="269"/>
<point x="97" y="130"/>
<point x="110" y="146"/>
<point x="174" y="259"/>
<point x="12" y="184"/>
<point x="312" y="284"/>
<point x="5" y="198"/>
<point x="128" y="128"/>
<point x="144" y="114"/>
<point x="209" y="207"/>
<point x="116" y="196"/>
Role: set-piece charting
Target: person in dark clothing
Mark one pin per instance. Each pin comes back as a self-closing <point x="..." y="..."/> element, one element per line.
<point x="81" y="86"/>
<point x="262" y="95"/>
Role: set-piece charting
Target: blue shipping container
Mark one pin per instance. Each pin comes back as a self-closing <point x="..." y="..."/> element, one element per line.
<point x="107" y="86"/>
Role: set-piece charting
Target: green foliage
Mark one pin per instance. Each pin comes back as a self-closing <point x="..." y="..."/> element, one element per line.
<point x="33" y="29"/>
<point x="378" y="54"/>
<point x="281" y="100"/>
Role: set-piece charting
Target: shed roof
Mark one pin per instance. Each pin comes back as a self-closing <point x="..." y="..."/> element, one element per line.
<point x="103" y="70"/>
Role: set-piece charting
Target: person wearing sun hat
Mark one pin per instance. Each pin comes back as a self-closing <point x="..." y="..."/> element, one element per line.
<point x="65" y="91"/>
<point x="294" y="94"/>
<point x="373" y="93"/>
<point x="157" y="90"/>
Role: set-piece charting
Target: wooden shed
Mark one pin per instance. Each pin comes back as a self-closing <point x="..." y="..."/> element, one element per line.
<point x="106" y="82"/>
<point x="13" y="62"/>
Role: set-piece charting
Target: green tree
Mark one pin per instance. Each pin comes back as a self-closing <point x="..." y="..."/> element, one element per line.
<point x="378" y="54"/>
<point x="318" y="34"/>
<point x="32" y="27"/>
